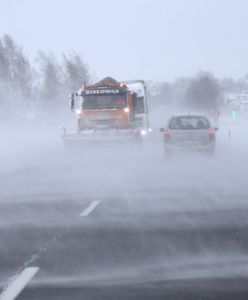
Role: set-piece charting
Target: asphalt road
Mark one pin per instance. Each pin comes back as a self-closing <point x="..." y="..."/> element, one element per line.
<point x="126" y="224"/>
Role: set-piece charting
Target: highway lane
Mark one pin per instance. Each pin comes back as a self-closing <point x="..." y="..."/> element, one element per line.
<point x="140" y="254"/>
<point x="126" y="226"/>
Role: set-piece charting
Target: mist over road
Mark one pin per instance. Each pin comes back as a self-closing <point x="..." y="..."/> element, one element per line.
<point x="124" y="222"/>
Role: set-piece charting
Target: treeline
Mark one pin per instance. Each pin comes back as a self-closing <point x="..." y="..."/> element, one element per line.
<point x="28" y="88"/>
<point x="40" y="87"/>
<point x="202" y="92"/>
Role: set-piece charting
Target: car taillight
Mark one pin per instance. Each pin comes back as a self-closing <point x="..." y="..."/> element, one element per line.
<point x="211" y="133"/>
<point x="167" y="133"/>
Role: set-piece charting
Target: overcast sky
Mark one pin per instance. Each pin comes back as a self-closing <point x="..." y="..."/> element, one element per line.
<point x="147" y="39"/>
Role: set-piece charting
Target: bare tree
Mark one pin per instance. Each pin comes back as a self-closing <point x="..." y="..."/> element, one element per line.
<point x="76" y="72"/>
<point x="15" y="75"/>
<point x="203" y="92"/>
<point x="51" y="88"/>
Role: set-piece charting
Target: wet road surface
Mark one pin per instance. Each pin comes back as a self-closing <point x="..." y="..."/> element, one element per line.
<point x="126" y="225"/>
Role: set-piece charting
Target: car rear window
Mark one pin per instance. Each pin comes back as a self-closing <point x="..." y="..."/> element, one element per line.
<point x="189" y="122"/>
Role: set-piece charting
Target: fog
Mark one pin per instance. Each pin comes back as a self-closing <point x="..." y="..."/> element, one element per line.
<point x="196" y="202"/>
<point x="160" y="212"/>
<point x="37" y="149"/>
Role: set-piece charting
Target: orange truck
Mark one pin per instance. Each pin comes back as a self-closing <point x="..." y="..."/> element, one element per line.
<point x="110" y="110"/>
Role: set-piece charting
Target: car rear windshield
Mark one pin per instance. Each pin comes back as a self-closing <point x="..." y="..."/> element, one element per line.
<point x="189" y="122"/>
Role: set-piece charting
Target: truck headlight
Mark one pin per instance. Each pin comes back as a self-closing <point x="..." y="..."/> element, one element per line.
<point x="126" y="109"/>
<point x="78" y="111"/>
<point x="143" y="132"/>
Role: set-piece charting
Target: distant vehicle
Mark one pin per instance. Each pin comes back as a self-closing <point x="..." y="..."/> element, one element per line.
<point x="238" y="104"/>
<point x="109" y="110"/>
<point x="189" y="132"/>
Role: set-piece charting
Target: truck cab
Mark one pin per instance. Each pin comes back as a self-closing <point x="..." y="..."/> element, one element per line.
<point x="110" y="106"/>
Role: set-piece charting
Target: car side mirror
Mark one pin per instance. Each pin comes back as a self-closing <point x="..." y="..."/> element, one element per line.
<point x="162" y="130"/>
<point x="72" y="101"/>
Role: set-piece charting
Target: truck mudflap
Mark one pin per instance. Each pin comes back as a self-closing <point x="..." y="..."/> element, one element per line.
<point x="91" y="136"/>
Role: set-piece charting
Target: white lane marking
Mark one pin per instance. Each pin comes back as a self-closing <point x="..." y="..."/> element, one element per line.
<point x="90" y="208"/>
<point x="19" y="283"/>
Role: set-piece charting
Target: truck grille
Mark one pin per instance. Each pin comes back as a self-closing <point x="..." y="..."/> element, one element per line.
<point x="101" y="122"/>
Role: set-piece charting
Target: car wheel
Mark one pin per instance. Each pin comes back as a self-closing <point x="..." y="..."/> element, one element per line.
<point x="167" y="151"/>
<point x="211" y="152"/>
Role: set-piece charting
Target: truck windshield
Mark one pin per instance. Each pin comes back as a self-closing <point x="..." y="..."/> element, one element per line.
<point x="104" y="102"/>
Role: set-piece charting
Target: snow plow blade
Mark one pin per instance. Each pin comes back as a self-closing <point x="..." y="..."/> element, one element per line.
<point x="100" y="137"/>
